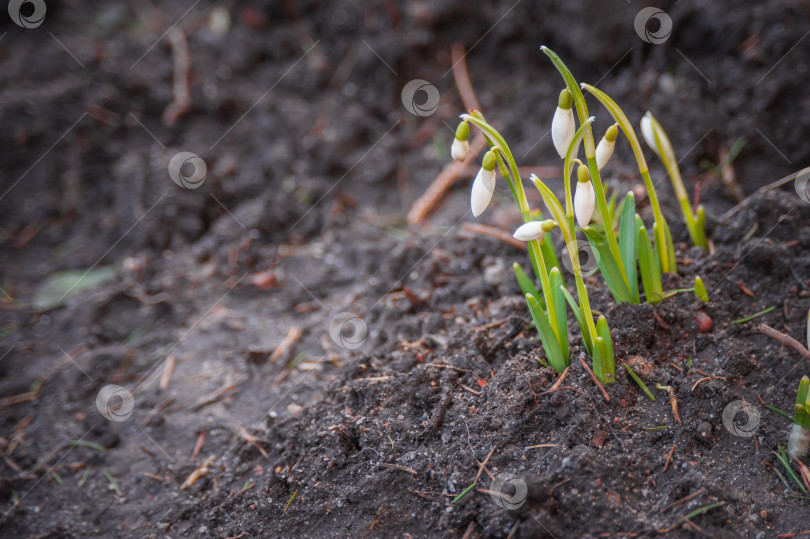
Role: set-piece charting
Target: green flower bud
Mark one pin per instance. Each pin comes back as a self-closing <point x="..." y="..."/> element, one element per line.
<point x="489" y="161"/>
<point x="565" y="101"/>
<point x="463" y="130"/>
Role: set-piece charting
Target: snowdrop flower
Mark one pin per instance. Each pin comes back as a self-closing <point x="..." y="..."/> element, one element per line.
<point x="562" y="126"/>
<point x="604" y="150"/>
<point x="584" y="198"/>
<point x="534" y="230"/>
<point x="461" y="145"/>
<point x="647" y="131"/>
<point x="484" y="185"/>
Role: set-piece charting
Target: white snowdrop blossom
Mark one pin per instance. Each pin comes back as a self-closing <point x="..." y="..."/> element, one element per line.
<point x="563" y="128"/>
<point x="584" y="197"/>
<point x="604" y="150"/>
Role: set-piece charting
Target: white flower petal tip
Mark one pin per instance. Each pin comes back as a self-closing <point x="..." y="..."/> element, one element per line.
<point x="648" y="133"/>
<point x="459" y="149"/>
<point x="604" y="151"/>
<point x="584" y="202"/>
<point x="482" y="189"/>
<point x="562" y="130"/>
<point x="533" y="230"/>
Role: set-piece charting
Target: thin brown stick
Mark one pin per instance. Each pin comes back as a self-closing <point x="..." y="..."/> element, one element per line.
<point x="293" y="334"/>
<point x="403" y="468"/>
<point x="495" y="232"/>
<point x="540" y="445"/>
<point x="669" y="458"/>
<point x="699" y="382"/>
<point x="558" y="383"/>
<point x="425" y="204"/>
<point x="483" y="465"/>
<point x="683" y="500"/>
<point x="168" y="369"/>
<point x="728" y="176"/>
<point x="181" y="97"/>
<point x="787" y="340"/>
<point x="778" y="183"/>
<point x="595" y="381"/>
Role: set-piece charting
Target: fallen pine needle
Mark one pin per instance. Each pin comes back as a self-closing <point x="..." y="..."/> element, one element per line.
<point x="672" y="401"/>
<point x="168" y="369"/>
<point x="778" y="411"/>
<point x="483" y="465"/>
<point x="199" y="444"/>
<point x="290" y="501"/>
<point x="669" y="458"/>
<point x="641" y="384"/>
<point x="471" y="390"/>
<point x="89" y="445"/>
<point x="200" y="472"/>
<point x="293" y="334"/>
<point x="113" y="483"/>
<point x="699" y="382"/>
<point x="683" y="500"/>
<point x="463" y="493"/>
<point x="755" y="315"/>
<point x="595" y="380"/>
<point x="558" y="383"/>
<point x="541" y="445"/>
<point x="403" y="468"/>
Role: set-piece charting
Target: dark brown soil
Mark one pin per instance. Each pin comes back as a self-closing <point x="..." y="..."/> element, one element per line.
<point x="312" y="163"/>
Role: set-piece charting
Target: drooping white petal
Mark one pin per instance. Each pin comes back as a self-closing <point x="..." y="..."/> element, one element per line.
<point x="482" y="189"/>
<point x="459" y="149"/>
<point x="584" y="201"/>
<point x="604" y="150"/>
<point x="533" y="230"/>
<point x="647" y="133"/>
<point x="562" y="130"/>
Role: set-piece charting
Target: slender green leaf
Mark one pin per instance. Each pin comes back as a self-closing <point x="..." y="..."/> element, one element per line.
<point x="650" y="274"/>
<point x="547" y="335"/>
<point x="608" y="266"/>
<point x="614" y="211"/>
<point x="527" y="286"/>
<point x="608" y="359"/>
<point x="627" y="243"/>
<point x="700" y="290"/>
<point x="781" y="456"/>
<point x="578" y="315"/>
<point x="61" y="285"/>
<point x="547" y="248"/>
<point x="558" y="299"/>
<point x="601" y="362"/>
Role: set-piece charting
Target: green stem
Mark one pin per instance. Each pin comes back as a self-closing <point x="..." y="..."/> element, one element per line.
<point x="568" y="235"/>
<point x="590" y="155"/>
<point x="665" y="248"/>
<point x="520" y="197"/>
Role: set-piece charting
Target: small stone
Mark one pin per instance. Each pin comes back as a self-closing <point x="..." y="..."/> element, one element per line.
<point x="295" y="409"/>
<point x="703" y="431"/>
<point x="704" y="322"/>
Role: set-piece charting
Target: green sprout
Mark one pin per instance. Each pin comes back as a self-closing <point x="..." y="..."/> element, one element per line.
<point x="625" y="251"/>
<point x="549" y="310"/>
<point x="659" y="142"/>
<point x="799" y="442"/>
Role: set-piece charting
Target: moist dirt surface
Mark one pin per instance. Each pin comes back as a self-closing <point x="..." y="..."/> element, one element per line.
<point x="300" y="361"/>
